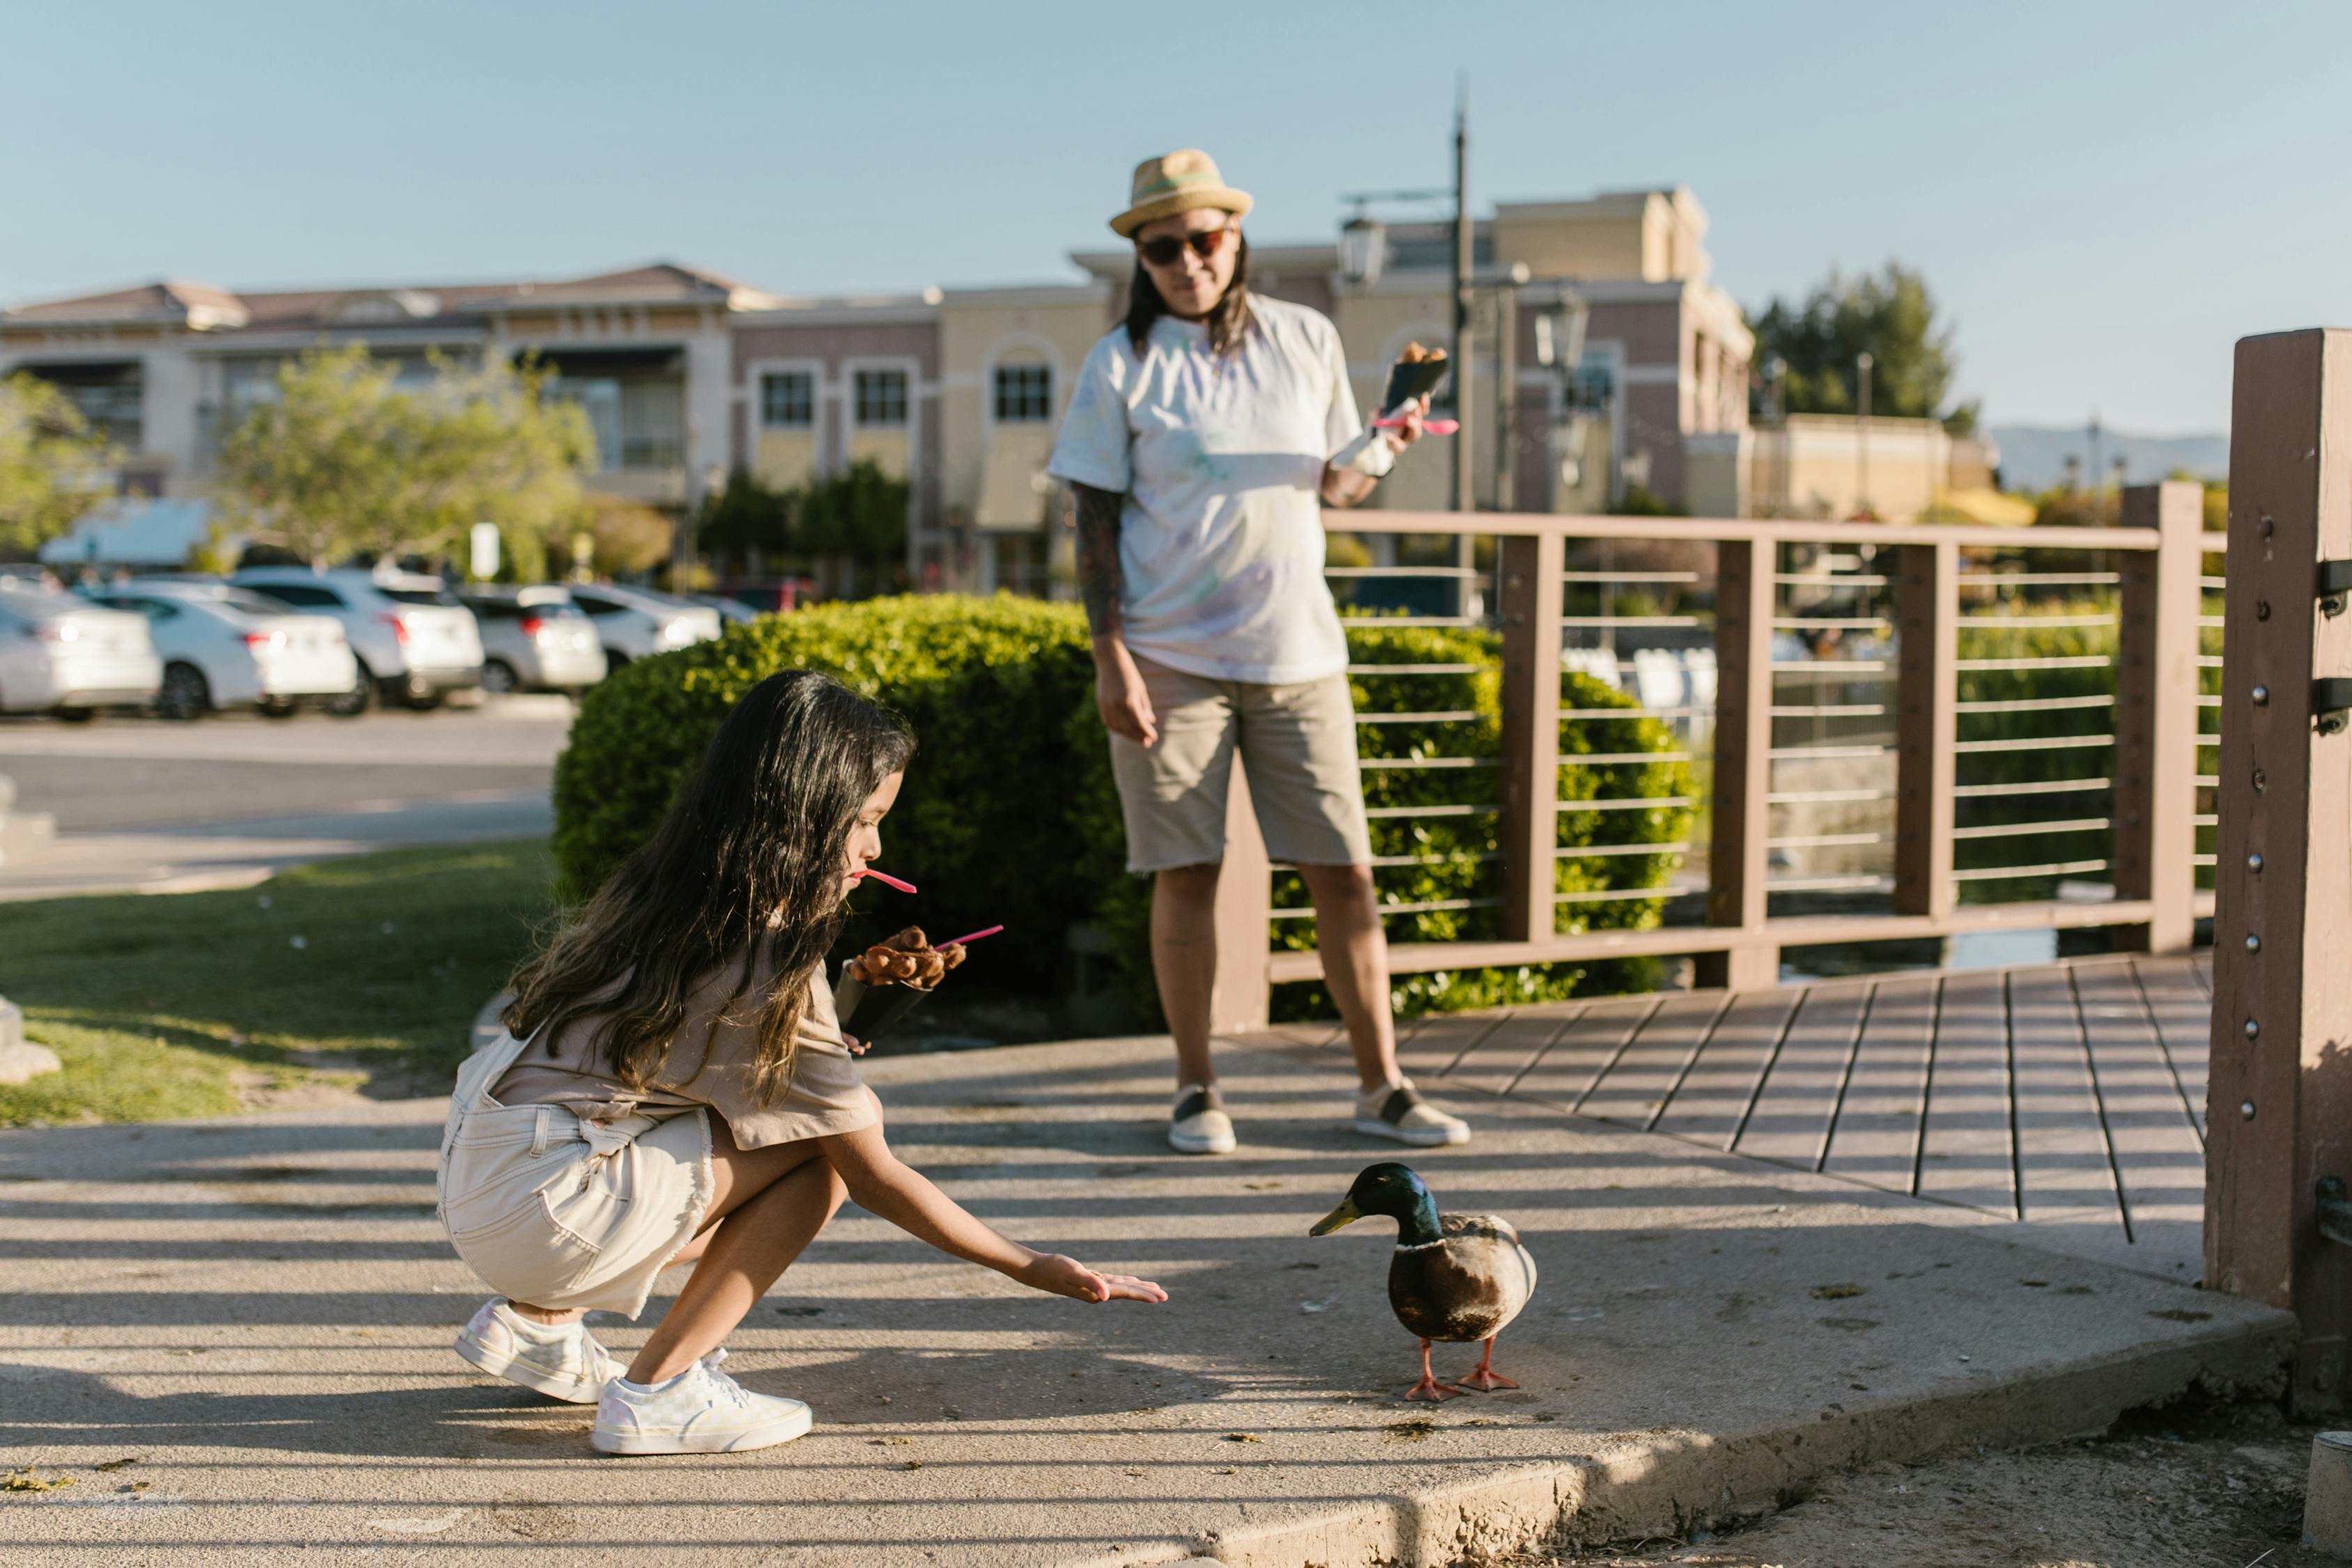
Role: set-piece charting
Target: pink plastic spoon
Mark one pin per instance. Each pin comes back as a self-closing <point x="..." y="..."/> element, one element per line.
<point x="886" y="879"/>
<point x="975" y="936"/>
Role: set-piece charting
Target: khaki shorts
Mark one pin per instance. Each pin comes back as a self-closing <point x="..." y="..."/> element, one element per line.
<point x="1298" y="745"/>
<point x="562" y="1213"/>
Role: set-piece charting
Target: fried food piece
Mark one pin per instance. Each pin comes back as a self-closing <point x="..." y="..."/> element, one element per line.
<point x="1415" y="355"/>
<point x="908" y="958"/>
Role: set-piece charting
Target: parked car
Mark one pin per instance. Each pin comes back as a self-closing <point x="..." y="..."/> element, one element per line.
<point x="732" y="612"/>
<point x="637" y="623"/>
<point x="535" y="638"/>
<point x="778" y="598"/>
<point x="63" y="655"/>
<point x="225" y="646"/>
<point x="414" y="640"/>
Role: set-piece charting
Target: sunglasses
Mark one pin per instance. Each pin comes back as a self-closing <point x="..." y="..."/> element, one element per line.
<point x="1169" y="248"/>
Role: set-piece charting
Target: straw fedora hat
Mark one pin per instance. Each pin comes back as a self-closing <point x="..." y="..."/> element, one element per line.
<point x="1176" y="183"/>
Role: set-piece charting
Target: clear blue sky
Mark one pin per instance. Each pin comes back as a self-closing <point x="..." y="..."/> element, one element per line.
<point x="2104" y="196"/>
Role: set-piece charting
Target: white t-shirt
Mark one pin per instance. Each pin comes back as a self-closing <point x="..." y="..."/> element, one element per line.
<point x="1221" y="459"/>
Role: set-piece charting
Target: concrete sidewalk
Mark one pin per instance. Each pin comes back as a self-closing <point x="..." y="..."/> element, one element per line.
<point x="257" y="1312"/>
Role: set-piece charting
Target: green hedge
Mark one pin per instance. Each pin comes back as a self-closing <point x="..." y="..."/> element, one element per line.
<point x="1009" y="814"/>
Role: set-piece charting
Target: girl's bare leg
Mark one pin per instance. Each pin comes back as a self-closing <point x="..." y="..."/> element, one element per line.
<point x="766" y="1205"/>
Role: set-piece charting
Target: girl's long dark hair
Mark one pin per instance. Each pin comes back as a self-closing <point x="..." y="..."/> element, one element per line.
<point x="745" y="869"/>
<point x="1228" y="320"/>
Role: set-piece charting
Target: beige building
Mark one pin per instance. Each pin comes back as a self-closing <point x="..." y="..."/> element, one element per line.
<point x="1838" y="466"/>
<point x="1626" y="365"/>
<point x="167" y="368"/>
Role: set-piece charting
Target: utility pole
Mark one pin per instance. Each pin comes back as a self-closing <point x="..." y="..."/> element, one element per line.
<point x="2098" y="475"/>
<point x="1463" y="498"/>
<point x="1861" y="364"/>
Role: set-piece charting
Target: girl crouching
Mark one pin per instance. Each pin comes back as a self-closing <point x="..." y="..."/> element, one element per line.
<point x="673" y="1087"/>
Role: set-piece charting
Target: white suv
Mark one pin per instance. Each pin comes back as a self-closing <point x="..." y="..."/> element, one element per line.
<point x="413" y="639"/>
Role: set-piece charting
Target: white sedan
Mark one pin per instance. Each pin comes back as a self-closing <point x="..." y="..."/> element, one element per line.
<point x="225" y="646"/>
<point x="66" y="655"/>
<point x="637" y="623"/>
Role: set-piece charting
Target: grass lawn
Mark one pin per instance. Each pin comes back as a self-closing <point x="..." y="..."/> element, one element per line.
<point x="203" y="1004"/>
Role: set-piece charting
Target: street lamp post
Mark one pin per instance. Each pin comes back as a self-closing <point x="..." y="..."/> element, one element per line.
<point x="1464" y="262"/>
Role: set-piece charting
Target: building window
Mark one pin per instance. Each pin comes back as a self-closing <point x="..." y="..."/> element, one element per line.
<point x="635" y="400"/>
<point x="881" y="398"/>
<point x="1024" y="393"/>
<point x="788" y="400"/>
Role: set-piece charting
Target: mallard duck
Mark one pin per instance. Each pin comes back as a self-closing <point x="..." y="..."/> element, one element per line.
<point x="1456" y="1276"/>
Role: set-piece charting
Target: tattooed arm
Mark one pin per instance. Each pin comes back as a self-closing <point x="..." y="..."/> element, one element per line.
<point x="1120" y="696"/>
<point x="1098" y="579"/>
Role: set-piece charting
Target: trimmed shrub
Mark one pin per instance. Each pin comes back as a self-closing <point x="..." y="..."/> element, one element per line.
<point x="1009" y="814"/>
<point x="983" y="825"/>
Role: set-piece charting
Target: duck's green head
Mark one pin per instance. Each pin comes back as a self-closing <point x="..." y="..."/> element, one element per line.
<point x="1387" y="1188"/>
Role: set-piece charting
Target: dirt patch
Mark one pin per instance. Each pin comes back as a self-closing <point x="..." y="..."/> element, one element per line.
<point x="2217" y="1487"/>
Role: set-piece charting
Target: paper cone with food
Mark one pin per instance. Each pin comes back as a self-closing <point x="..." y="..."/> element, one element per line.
<point x="888" y="981"/>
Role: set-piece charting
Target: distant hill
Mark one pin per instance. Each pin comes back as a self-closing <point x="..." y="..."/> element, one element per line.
<point x="2033" y="457"/>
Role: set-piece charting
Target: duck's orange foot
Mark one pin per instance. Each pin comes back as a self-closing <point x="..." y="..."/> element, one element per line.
<point x="1431" y="1389"/>
<point x="1484" y="1379"/>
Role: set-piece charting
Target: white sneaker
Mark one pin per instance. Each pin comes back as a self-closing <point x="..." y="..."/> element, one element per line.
<point x="701" y="1411"/>
<point x="562" y="1361"/>
<point x="1397" y="1112"/>
<point x="1200" y="1125"/>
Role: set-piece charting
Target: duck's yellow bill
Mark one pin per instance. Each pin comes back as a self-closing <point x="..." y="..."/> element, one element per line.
<point x="1346" y="1214"/>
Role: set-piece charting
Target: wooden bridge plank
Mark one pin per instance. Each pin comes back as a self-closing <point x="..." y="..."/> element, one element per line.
<point x="1655" y="1062"/>
<point x="2062" y="1154"/>
<point x="1790" y="1121"/>
<point x="2183" y="1013"/>
<point x="2157" y="1151"/>
<point x="1716" y="1093"/>
<point x="1429" y="1045"/>
<point x="1494" y="1060"/>
<point x="1570" y="1064"/>
<point x="1876" y="1139"/>
<point x="1967" y="1154"/>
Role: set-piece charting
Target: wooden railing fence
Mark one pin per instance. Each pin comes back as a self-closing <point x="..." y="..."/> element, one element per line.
<point x="2145" y="763"/>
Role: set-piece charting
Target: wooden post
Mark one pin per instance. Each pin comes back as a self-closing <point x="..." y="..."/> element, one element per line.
<point x="1532" y="572"/>
<point x="1244" y="903"/>
<point x="1738" y="856"/>
<point x="1926" y="728"/>
<point x="2281" y="1075"/>
<point x="2156" y="713"/>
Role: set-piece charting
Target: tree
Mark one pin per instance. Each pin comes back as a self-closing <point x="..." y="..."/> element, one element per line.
<point x="860" y="513"/>
<point x="746" y="518"/>
<point x="53" y="467"/>
<point x="623" y="538"/>
<point x="490" y="447"/>
<point x="1890" y="316"/>
<point x="345" y="460"/>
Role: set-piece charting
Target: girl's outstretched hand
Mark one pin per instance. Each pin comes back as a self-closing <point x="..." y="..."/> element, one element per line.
<point x="1068" y="1277"/>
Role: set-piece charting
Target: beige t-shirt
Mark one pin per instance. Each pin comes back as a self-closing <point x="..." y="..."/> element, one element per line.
<point x="822" y="1096"/>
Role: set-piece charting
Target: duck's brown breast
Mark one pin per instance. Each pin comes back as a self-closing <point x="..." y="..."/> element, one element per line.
<point x="1463" y="1287"/>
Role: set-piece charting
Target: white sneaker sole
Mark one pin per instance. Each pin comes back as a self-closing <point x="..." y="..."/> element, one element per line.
<point x="1186" y="1144"/>
<point x="766" y="1435"/>
<point x="552" y="1382"/>
<point x="1419" y="1137"/>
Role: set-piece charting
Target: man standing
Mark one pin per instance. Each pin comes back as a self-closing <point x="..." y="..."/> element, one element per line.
<point x="1206" y="433"/>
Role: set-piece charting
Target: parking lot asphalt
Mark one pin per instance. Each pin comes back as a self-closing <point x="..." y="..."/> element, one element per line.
<point x="150" y="806"/>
